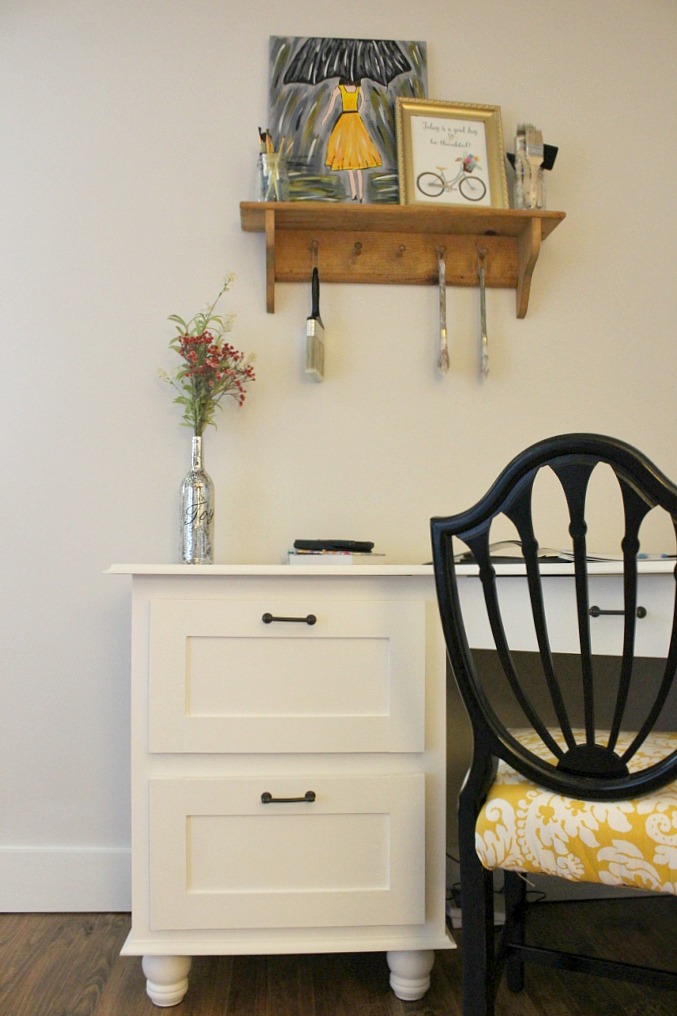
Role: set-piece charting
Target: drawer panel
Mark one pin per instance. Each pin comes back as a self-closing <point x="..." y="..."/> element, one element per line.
<point x="220" y="858"/>
<point x="605" y="591"/>
<point x="223" y="680"/>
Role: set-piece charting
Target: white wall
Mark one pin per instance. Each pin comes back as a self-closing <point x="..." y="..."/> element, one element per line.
<point x="129" y="141"/>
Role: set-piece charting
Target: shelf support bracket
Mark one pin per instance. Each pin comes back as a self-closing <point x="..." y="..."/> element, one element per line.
<point x="528" y="249"/>
<point x="270" y="259"/>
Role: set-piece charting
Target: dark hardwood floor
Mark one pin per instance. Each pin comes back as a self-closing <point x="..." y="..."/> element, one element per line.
<point x="69" y="965"/>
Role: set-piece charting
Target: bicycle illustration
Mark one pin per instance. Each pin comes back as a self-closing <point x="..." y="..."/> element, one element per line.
<point x="471" y="188"/>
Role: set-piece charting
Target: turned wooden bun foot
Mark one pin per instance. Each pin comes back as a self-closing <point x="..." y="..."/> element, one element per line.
<point x="410" y="973"/>
<point x="166" y="978"/>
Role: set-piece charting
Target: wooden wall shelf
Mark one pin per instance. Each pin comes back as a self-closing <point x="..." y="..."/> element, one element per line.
<point x="398" y="244"/>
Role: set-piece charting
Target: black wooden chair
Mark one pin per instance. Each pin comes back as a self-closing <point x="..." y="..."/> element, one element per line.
<point x="550" y="766"/>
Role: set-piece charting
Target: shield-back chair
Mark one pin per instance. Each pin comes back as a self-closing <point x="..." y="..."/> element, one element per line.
<point x="573" y="788"/>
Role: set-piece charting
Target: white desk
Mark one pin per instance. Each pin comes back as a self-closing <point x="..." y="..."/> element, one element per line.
<point x="227" y="709"/>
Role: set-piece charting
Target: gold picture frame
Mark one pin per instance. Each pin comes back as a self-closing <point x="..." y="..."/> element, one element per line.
<point x="433" y="137"/>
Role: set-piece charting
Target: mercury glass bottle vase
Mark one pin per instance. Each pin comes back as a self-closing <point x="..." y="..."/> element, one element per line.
<point x="197" y="511"/>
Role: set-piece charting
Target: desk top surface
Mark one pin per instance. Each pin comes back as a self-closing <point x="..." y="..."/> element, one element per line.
<point x="512" y="568"/>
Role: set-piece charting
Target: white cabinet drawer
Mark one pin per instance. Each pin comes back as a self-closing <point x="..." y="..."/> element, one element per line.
<point x="606" y="631"/>
<point x="220" y="858"/>
<point x="223" y="680"/>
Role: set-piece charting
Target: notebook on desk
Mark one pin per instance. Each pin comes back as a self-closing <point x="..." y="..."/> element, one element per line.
<point x="510" y="552"/>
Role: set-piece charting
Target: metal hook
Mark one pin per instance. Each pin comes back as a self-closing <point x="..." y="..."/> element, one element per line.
<point x="484" y="339"/>
<point x="357" y="249"/>
<point x="443" y="360"/>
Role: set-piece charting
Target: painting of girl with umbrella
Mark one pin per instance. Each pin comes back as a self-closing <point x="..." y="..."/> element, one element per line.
<point x="333" y="103"/>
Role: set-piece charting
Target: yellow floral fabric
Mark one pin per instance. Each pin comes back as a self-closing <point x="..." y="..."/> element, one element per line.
<point x="523" y="827"/>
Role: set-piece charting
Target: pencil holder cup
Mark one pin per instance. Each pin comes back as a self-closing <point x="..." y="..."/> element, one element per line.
<point x="272" y="180"/>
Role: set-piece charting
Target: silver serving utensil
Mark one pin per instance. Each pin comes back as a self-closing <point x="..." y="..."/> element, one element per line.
<point x="443" y="361"/>
<point x="484" y="338"/>
<point x="534" y="152"/>
<point x="521" y="168"/>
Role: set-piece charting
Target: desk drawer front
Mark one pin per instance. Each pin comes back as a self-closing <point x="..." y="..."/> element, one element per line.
<point x="605" y="591"/>
<point x="222" y="858"/>
<point x="224" y="680"/>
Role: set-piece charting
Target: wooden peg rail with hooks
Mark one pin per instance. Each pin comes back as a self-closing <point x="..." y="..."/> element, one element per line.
<point x="398" y="244"/>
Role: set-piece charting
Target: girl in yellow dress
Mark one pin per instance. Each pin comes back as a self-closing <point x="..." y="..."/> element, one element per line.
<point x="349" y="146"/>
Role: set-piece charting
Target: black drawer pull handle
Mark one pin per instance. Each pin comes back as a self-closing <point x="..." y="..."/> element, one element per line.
<point x="308" y="798"/>
<point x="596" y="611"/>
<point x="309" y="619"/>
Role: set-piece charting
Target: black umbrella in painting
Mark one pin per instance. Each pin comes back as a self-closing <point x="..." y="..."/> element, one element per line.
<point x="350" y="59"/>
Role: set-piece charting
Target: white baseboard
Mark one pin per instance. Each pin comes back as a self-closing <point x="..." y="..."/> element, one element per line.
<point x="64" y="879"/>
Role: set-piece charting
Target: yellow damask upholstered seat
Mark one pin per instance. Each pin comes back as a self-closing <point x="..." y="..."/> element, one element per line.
<point x="523" y="827"/>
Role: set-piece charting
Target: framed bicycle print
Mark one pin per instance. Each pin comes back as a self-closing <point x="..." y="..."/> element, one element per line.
<point x="450" y="153"/>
